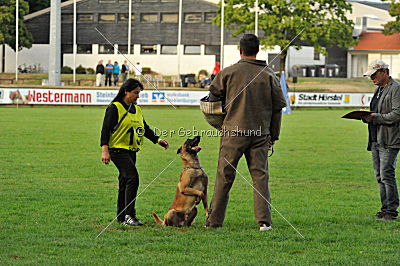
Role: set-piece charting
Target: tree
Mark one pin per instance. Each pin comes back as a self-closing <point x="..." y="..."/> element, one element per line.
<point x="321" y="23"/>
<point x="393" y="26"/>
<point x="7" y="22"/>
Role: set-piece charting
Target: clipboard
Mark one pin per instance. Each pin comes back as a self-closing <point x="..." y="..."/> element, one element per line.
<point x="357" y="115"/>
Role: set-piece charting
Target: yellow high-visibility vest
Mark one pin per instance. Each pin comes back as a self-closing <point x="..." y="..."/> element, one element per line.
<point x="130" y="133"/>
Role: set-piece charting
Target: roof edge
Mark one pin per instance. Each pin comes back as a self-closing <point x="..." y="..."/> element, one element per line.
<point x="374" y="50"/>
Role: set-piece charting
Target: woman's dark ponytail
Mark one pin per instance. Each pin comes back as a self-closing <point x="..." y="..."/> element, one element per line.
<point x="129" y="85"/>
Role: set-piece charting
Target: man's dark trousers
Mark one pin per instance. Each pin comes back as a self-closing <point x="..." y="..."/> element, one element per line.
<point x="384" y="160"/>
<point x="255" y="149"/>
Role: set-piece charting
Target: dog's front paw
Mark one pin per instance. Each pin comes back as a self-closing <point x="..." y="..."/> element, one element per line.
<point x="198" y="199"/>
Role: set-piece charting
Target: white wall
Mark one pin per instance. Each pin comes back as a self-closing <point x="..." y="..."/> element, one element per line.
<point x="359" y="63"/>
<point x="375" y="17"/>
<point x="163" y="64"/>
<point x="304" y="56"/>
<point x="38" y="55"/>
<point x="232" y="54"/>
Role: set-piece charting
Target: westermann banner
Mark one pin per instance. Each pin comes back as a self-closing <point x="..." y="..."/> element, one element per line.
<point x="35" y="96"/>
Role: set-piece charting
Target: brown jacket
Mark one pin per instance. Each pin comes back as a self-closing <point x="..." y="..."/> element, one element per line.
<point x="252" y="95"/>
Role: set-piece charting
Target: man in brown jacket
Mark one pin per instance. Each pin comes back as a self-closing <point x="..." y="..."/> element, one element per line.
<point x="384" y="136"/>
<point x="253" y="102"/>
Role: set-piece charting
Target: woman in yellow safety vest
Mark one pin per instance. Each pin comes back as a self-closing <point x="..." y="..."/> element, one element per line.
<point x="122" y="137"/>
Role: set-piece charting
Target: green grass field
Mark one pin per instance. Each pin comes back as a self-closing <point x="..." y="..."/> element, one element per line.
<point x="56" y="195"/>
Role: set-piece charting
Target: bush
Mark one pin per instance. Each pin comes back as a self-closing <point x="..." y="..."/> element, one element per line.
<point x="146" y="70"/>
<point x="203" y="71"/>
<point x="80" y="70"/>
<point x="66" y="70"/>
<point x="90" y="70"/>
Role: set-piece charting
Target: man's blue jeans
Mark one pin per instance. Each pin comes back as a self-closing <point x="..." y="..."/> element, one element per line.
<point x="384" y="160"/>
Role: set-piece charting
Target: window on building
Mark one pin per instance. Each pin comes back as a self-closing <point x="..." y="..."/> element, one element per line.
<point x="168" y="49"/>
<point x="316" y="55"/>
<point x="192" y="17"/>
<point x="67" y="18"/>
<point x="107" y="18"/>
<point x="84" y="48"/>
<point x="166" y="1"/>
<point x="106" y="1"/>
<point x="125" y="1"/>
<point x="150" y="1"/>
<point x="192" y="49"/>
<point x="85" y="17"/>
<point x="213" y="49"/>
<point x="67" y="48"/>
<point x="149" y="17"/>
<point x="106" y="49"/>
<point x="148" y="49"/>
<point x="123" y="49"/>
<point x="169" y="18"/>
<point x="209" y="17"/>
<point x="125" y="17"/>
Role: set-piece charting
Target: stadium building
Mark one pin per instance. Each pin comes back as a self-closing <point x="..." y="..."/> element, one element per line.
<point x="159" y="42"/>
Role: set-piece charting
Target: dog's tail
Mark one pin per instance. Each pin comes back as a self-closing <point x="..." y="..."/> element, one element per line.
<point x="157" y="219"/>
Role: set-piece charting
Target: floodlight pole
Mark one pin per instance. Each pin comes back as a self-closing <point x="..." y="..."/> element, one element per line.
<point x="256" y="18"/>
<point x="178" y="49"/>
<point x="16" y="38"/>
<point x="74" y="46"/>
<point x="222" y="34"/>
<point x="129" y="27"/>
<point x="55" y="43"/>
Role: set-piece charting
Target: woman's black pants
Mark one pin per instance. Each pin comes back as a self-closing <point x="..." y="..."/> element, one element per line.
<point x="128" y="178"/>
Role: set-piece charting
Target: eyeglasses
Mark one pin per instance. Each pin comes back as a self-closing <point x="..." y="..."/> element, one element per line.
<point x="373" y="76"/>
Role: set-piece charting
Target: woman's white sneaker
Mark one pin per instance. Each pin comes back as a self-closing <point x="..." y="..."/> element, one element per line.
<point x="264" y="227"/>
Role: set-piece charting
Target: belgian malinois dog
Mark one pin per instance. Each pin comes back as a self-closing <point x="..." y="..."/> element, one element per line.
<point x="191" y="189"/>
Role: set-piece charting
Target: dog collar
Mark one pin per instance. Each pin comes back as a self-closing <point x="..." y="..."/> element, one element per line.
<point x="187" y="168"/>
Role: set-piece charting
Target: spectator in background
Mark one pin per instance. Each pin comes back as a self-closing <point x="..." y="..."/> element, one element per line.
<point x="203" y="79"/>
<point x="138" y="71"/>
<point x="124" y="71"/>
<point x="109" y="72"/>
<point x="116" y="71"/>
<point x="99" y="73"/>
<point x="216" y="70"/>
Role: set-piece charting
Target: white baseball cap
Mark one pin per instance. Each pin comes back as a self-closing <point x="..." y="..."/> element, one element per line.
<point x="375" y="66"/>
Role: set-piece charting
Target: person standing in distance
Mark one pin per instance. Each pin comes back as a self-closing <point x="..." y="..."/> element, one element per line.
<point x="122" y="135"/>
<point x="124" y="71"/>
<point x="253" y="101"/>
<point x="99" y="73"/>
<point x="116" y="71"/>
<point x="109" y="72"/>
<point x="138" y="70"/>
<point x="384" y="136"/>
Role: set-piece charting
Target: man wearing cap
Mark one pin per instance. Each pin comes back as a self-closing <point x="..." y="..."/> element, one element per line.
<point x="384" y="136"/>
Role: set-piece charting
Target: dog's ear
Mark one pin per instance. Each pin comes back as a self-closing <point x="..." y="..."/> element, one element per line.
<point x="179" y="150"/>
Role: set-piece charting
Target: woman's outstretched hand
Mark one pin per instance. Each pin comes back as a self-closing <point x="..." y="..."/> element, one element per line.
<point x="163" y="143"/>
